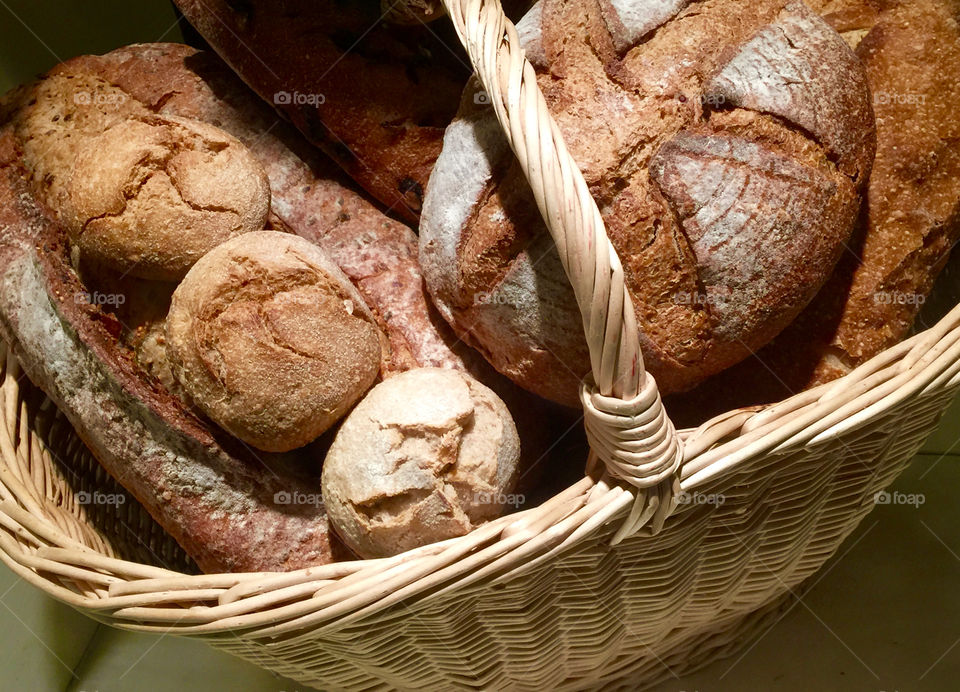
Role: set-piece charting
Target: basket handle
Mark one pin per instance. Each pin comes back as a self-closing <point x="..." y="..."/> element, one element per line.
<point x="627" y="426"/>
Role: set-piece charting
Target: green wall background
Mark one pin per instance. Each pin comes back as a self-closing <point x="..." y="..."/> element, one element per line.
<point x="37" y="34"/>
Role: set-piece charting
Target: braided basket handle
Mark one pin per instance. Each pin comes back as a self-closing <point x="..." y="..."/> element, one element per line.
<point x="627" y="426"/>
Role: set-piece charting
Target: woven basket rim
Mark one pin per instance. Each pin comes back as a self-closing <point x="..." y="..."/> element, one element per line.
<point x="340" y="593"/>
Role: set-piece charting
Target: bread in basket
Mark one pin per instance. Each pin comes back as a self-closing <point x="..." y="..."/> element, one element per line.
<point x="604" y="584"/>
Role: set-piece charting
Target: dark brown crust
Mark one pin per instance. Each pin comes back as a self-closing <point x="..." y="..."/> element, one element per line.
<point x="388" y="91"/>
<point x="911" y="51"/>
<point x="705" y="297"/>
<point x="311" y="196"/>
<point x="130" y="409"/>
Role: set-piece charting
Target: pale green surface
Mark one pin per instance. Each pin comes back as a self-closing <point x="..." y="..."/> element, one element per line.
<point x="42" y="640"/>
<point x="119" y="660"/>
<point x="37" y="34"/>
<point x="888" y="603"/>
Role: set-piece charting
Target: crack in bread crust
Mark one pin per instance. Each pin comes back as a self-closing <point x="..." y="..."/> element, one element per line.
<point x="617" y="109"/>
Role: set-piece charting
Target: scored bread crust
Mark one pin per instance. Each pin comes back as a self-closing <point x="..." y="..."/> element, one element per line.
<point x="309" y="194"/>
<point x="727" y="174"/>
<point x="271" y="340"/>
<point x="114" y="396"/>
<point x="911" y="50"/>
<point x="215" y="498"/>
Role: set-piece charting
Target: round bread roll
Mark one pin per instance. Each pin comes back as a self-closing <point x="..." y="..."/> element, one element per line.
<point x="151" y="195"/>
<point x="428" y="454"/>
<point x="725" y="146"/>
<point x="269" y="338"/>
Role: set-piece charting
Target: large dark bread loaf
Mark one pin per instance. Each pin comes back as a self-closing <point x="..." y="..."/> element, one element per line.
<point x="725" y="142"/>
<point x="911" y="51"/>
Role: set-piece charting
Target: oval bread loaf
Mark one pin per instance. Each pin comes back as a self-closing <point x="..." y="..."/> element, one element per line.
<point x="150" y="196"/>
<point x="911" y="51"/>
<point x="727" y="172"/>
<point x="142" y="193"/>
<point x="271" y="340"/>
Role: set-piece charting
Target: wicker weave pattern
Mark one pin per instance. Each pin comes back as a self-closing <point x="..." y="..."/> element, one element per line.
<point x="538" y="598"/>
<point x="590" y="615"/>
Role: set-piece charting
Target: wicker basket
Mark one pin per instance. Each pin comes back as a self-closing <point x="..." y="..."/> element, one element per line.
<point x="672" y="550"/>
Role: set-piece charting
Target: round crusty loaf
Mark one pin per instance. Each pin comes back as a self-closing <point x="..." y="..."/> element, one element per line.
<point x="143" y="193"/>
<point x="270" y="339"/>
<point x="428" y="454"/>
<point x="150" y="196"/>
<point x="911" y="51"/>
<point x="725" y="146"/>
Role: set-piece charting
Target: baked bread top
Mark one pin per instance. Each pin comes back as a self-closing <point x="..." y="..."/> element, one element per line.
<point x="725" y="143"/>
<point x="374" y="93"/>
<point x="271" y="340"/>
<point x="911" y="52"/>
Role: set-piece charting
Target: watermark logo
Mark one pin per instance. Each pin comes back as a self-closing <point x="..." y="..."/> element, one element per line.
<point x="709" y="499"/>
<point x="898" y="498"/>
<point x="898" y="298"/>
<point x="287" y="98"/>
<point x="697" y="298"/>
<point x="712" y="100"/>
<point x="481" y="98"/>
<point x="501" y="499"/>
<point x="491" y="299"/>
<point x="97" y="298"/>
<point x="888" y="98"/>
<point x="88" y="98"/>
<point x="100" y="498"/>
<point x="285" y="497"/>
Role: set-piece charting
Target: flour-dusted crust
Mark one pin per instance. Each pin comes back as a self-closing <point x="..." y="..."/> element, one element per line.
<point x="427" y="455"/>
<point x="473" y="148"/>
<point x="271" y="340"/>
<point x="214" y="497"/>
<point x="151" y="196"/>
<point x="628" y="21"/>
<point x="911" y="51"/>
<point x="126" y="345"/>
<point x="309" y="194"/>
<point x="648" y="100"/>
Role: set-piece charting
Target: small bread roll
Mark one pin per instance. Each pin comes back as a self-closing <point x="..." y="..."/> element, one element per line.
<point x="427" y="455"/>
<point x="151" y="195"/>
<point x="270" y="339"/>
